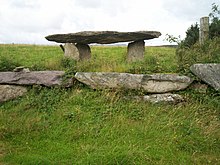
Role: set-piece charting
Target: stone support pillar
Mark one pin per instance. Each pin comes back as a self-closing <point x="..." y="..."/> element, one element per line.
<point x="71" y="51"/>
<point x="135" y="51"/>
<point x="84" y="51"/>
<point x="77" y="52"/>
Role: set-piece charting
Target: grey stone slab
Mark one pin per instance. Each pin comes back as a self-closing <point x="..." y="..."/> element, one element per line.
<point x="157" y="83"/>
<point x="209" y="73"/>
<point x="46" y="78"/>
<point x="102" y="37"/>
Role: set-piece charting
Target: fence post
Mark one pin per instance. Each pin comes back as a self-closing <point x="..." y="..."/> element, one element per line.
<point x="204" y="29"/>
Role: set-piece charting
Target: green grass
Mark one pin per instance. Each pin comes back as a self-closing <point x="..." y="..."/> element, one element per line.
<point x="106" y="59"/>
<point x="80" y="125"/>
<point x="32" y="56"/>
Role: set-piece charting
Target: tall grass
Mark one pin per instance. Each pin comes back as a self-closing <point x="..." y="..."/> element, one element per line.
<point x="209" y="52"/>
<point x="80" y="125"/>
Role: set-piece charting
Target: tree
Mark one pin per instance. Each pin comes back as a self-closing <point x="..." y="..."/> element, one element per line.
<point x="192" y="35"/>
<point x="214" y="28"/>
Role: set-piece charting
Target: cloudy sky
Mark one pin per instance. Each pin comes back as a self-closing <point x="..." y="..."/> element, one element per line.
<point x="29" y="21"/>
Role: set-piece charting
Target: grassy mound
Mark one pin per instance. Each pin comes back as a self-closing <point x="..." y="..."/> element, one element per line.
<point x="80" y="125"/>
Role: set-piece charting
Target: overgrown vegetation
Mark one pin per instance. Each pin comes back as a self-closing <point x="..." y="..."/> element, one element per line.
<point x="80" y="125"/>
<point x="206" y="53"/>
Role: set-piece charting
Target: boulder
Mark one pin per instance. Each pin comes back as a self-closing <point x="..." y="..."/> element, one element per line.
<point x="209" y="73"/>
<point x="103" y="37"/>
<point x="136" y="51"/>
<point x="160" y="98"/>
<point x="155" y="83"/>
<point x="9" y="92"/>
<point x="46" y="78"/>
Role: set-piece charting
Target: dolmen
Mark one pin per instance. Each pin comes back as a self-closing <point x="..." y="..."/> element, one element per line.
<point x="77" y="44"/>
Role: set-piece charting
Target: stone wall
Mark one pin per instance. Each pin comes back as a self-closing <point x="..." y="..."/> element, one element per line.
<point x="12" y="84"/>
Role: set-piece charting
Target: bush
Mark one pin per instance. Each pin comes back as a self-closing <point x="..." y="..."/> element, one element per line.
<point x="214" y="29"/>
<point x="206" y="53"/>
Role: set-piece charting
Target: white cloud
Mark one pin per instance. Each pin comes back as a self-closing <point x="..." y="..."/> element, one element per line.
<point x="29" y="21"/>
<point x="188" y="9"/>
<point x="88" y="3"/>
<point x="24" y="4"/>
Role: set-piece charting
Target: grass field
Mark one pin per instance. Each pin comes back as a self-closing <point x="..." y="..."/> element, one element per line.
<point x="80" y="125"/>
<point x="103" y="59"/>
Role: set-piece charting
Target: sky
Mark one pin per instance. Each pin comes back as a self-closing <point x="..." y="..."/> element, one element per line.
<point x="29" y="21"/>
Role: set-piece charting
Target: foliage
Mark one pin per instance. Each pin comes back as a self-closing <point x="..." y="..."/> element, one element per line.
<point x="214" y="28"/>
<point x="69" y="66"/>
<point x="173" y="39"/>
<point x="206" y="53"/>
<point x="192" y="36"/>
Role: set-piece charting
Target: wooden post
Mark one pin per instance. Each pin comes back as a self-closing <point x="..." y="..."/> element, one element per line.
<point x="204" y="29"/>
